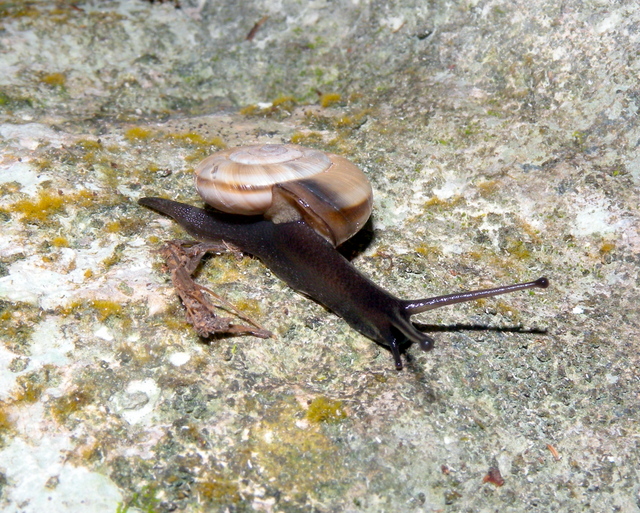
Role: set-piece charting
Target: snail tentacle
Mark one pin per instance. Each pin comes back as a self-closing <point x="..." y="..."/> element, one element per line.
<point x="422" y="305"/>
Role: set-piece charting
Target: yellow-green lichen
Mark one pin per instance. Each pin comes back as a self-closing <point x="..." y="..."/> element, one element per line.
<point x="487" y="188"/>
<point x="138" y="134"/>
<point x="291" y="453"/>
<point x="279" y="108"/>
<point x="507" y="310"/>
<point x="54" y="79"/>
<point x="518" y="249"/>
<point x="18" y="10"/>
<point x="9" y="102"/>
<point x="17" y="322"/>
<point x="103" y="309"/>
<point x="443" y="204"/>
<point x="145" y="500"/>
<point x="173" y="319"/>
<point x="328" y="99"/>
<point x="125" y="226"/>
<point x="60" y="242"/>
<point x="249" y="307"/>
<point x="8" y="188"/>
<point x="323" y="409"/>
<point x="63" y="407"/>
<point x="31" y="386"/>
<point x="428" y="250"/>
<point x="199" y="146"/>
<point x="47" y="204"/>
<point x="307" y="138"/>
<point x="469" y="129"/>
<point x="39" y="209"/>
<point x="125" y="288"/>
<point x="579" y="138"/>
<point x="345" y="123"/>
<point x="227" y="268"/>
<point x="89" y="144"/>
<point x="250" y="110"/>
<point x="213" y="487"/>
<point x="194" y="138"/>
<point x="606" y="248"/>
<point x="284" y="102"/>
<point x="5" y="421"/>
<point x="115" y="257"/>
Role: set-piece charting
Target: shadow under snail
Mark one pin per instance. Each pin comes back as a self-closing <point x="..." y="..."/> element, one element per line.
<point x="291" y="206"/>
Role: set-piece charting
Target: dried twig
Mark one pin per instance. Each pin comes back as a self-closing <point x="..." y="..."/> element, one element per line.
<point x="252" y="33"/>
<point x="182" y="259"/>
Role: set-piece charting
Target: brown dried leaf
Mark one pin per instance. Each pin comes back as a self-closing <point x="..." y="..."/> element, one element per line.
<point x="182" y="259"/>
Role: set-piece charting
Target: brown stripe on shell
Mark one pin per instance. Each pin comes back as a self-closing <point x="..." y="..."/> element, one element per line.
<point x="337" y="203"/>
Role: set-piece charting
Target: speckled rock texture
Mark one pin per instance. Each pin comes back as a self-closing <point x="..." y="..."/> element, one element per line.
<point x="501" y="139"/>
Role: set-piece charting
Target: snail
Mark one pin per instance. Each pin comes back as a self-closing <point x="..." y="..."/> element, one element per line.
<point x="291" y="206"/>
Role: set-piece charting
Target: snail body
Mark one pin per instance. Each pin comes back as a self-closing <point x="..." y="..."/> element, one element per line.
<point x="293" y="226"/>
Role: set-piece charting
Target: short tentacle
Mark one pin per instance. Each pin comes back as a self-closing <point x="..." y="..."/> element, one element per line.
<point x="394" y="345"/>
<point x="402" y="323"/>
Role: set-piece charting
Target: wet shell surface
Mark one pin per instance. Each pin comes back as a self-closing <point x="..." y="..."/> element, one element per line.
<point x="287" y="182"/>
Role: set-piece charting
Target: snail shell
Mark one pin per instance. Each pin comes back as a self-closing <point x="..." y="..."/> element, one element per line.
<point x="287" y="182"/>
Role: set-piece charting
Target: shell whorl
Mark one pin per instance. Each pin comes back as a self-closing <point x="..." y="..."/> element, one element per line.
<point x="288" y="182"/>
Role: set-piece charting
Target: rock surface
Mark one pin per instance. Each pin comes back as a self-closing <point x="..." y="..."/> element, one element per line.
<point x="501" y="139"/>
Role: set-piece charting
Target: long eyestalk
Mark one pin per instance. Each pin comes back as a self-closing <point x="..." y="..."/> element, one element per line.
<point x="422" y="305"/>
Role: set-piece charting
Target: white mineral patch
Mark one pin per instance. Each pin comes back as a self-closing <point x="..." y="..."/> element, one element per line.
<point x="594" y="219"/>
<point x="22" y="173"/>
<point x="452" y="249"/>
<point x="103" y="333"/>
<point x="395" y="23"/>
<point x="609" y="23"/>
<point x="40" y="480"/>
<point x="137" y="401"/>
<point x="7" y="378"/>
<point x="157" y="303"/>
<point x="419" y="193"/>
<point x="33" y="281"/>
<point x="179" y="359"/>
<point x="49" y="345"/>
<point x="611" y="378"/>
<point x="31" y="135"/>
<point x="451" y="188"/>
<point x="634" y="169"/>
<point x="30" y="283"/>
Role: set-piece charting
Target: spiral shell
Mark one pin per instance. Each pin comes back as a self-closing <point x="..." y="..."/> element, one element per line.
<point x="287" y="182"/>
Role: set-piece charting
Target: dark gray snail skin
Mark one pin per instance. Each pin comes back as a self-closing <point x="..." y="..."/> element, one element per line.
<point x="310" y="264"/>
